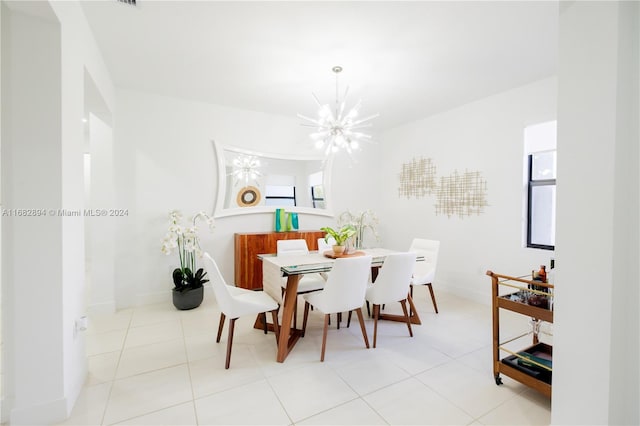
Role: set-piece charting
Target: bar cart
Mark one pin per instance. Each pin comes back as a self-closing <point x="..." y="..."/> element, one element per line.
<point x="531" y="366"/>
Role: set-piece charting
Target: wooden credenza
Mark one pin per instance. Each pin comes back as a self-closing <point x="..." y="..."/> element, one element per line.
<point x="247" y="247"/>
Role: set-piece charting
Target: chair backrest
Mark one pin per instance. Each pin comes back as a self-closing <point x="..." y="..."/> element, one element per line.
<point x="288" y="247"/>
<point x="392" y="282"/>
<point x="429" y="249"/>
<point x="347" y="283"/>
<point x="220" y="290"/>
<point x="325" y="246"/>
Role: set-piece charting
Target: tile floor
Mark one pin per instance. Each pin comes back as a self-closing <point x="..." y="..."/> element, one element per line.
<point x="154" y="365"/>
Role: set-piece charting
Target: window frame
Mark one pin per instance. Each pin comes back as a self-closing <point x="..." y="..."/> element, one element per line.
<point x="277" y="197"/>
<point x="315" y="199"/>
<point x="531" y="183"/>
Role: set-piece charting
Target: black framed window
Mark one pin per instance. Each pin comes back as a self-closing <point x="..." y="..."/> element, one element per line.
<point x="280" y="195"/>
<point x="541" y="206"/>
<point x="317" y="196"/>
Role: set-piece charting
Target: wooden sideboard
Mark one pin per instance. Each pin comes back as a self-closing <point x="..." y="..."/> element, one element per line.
<point x="247" y="247"/>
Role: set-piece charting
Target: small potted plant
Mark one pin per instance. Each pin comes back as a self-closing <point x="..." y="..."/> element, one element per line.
<point x="188" y="291"/>
<point x="341" y="236"/>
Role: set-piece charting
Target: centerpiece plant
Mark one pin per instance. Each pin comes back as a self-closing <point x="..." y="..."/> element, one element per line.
<point x="360" y="221"/>
<point x="340" y="235"/>
<point x="185" y="240"/>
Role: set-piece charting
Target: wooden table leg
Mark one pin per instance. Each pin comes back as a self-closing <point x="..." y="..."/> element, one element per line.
<point x="288" y="336"/>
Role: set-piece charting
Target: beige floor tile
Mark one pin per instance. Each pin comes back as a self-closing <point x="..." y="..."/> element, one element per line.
<point x="209" y="375"/>
<point x="103" y="322"/>
<point x="153" y="314"/>
<point x="90" y="405"/>
<point x="157" y="365"/>
<point x="154" y="333"/>
<point x="410" y="402"/>
<point x="109" y="341"/>
<point x="528" y="408"/>
<point x="476" y="393"/>
<point x="142" y="359"/>
<point x="355" y="412"/>
<point x="102" y="368"/>
<point x="183" y="414"/>
<point x="307" y="391"/>
<point x="230" y="407"/>
<point x="145" y="393"/>
<point x="370" y="374"/>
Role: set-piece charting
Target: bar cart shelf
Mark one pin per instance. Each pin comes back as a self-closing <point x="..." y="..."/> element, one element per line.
<point x="531" y="366"/>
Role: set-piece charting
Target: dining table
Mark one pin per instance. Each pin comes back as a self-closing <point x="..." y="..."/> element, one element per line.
<point x="294" y="267"/>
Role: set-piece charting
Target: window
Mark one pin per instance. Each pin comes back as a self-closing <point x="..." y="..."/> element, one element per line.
<point x="280" y="195"/>
<point x="317" y="196"/>
<point x="541" y="205"/>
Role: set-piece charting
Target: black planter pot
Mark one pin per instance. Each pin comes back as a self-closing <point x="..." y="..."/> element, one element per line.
<point x="188" y="299"/>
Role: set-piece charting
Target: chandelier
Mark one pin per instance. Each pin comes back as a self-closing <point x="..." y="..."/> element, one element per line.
<point x="338" y="128"/>
<point x="245" y="168"/>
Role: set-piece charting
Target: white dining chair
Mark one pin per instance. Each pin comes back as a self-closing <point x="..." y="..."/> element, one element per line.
<point x="391" y="285"/>
<point x="235" y="302"/>
<point x="324" y="246"/>
<point x="343" y="292"/>
<point x="425" y="271"/>
<point x="308" y="282"/>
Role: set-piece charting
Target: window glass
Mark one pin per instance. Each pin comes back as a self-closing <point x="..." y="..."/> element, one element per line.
<point x="543" y="207"/>
<point x="543" y="165"/>
<point x="279" y="191"/>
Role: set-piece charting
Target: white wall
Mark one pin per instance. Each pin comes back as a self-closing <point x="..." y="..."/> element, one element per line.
<point x="46" y="49"/>
<point x="79" y="56"/>
<point x="597" y="238"/>
<point x="485" y="136"/>
<point x="31" y="94"/>
<point x="165" y="160"/>
<point x="101" y="229"/>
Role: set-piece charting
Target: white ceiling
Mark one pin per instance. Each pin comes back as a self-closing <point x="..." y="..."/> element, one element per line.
<point x="405" y="60"/>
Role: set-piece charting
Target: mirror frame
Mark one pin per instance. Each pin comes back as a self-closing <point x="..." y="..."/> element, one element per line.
<point x="221" y="211"/>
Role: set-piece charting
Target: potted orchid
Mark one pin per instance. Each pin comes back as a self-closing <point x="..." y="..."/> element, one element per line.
<point x="361" y="221"/>
<point x="187" y="279"/>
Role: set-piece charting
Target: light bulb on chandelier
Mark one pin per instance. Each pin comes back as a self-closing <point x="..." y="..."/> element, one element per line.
<point x="245" y="168"/>
<point x="335" y="130"/>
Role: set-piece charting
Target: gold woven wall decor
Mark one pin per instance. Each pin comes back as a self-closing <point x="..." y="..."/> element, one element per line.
<point x="457" y="194"/>
<point x="417" y="178"/>
<point x="462" y="195"/>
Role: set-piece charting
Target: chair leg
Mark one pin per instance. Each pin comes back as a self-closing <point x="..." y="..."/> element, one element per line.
<point x="376" y="314"/>
<point x="276" y="328"/>
<point x="410" y="294"/>
<point x="232" y="323"/>
<point x="220" y="327"/>
<point x="264" y="322"/>
<point x="433" y="297"/>
<point x="349" y="319"/>
<point x="338" y="319"/>
<point x="324" y="336"/>
<point x="304" y="318"/>
<point x="368" y="310"/>
<point x="406" y="315"/>
<point x="364" y="330"/>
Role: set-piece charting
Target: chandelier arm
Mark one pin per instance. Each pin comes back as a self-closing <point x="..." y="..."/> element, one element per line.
<point x="371" y="117"/>
<point x="316" y="99"/>
<point x="361" y="135"/>
<point x="361" y="126"/>
<point x="313" y="120"/>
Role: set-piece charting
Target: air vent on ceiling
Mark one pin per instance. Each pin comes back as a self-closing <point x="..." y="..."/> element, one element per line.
<point x="129" y="2"/>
